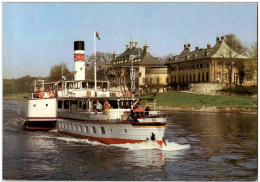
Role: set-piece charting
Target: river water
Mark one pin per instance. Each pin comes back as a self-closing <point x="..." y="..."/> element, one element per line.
<point x="201" y="146"/>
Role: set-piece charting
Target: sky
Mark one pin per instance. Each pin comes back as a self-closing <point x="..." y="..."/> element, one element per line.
<point x="37" y="36"/>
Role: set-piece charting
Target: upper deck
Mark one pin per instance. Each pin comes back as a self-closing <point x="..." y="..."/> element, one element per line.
<point x="72" y="89"/>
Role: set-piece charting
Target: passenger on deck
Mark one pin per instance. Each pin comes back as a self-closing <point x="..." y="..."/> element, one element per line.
<point x="107" y="106"/>
<point x="98" y="106"/>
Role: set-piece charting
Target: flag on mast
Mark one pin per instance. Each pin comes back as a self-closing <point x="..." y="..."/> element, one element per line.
<point x="97" y="35"/>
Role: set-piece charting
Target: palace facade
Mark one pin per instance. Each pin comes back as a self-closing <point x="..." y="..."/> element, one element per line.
<point x="204" y="64"/>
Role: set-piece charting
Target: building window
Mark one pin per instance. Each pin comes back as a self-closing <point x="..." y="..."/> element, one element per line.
<point x="151" y="80"/>
<point x="227" y="78"/>
<point x="207" y="76"/>
<point x="194" y="77"/>
<point x="174" y="79"/>
<point x="103" y="130"/>
<point x="198" y="77"/>
<point x="218" y="76"/>
<point x="203" y="77"/>
<point x="158" y="80"/>
<point x="182" y="78"/>
<point x="190" y="79"/>
<point x="235" y="78"/>
<point x="179" y="79"/>
<point x="207" y="65"/>
<point x="186" y="78"/>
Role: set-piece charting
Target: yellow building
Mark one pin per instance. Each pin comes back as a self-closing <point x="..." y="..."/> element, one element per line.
<point x="204" y="65"/>
<point x="149" y="72"/>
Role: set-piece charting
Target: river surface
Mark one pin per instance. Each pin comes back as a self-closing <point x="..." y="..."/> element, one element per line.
<point x="201" y="146"/>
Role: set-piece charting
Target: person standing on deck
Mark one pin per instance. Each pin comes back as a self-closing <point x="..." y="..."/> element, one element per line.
<point x="107" y="106"/>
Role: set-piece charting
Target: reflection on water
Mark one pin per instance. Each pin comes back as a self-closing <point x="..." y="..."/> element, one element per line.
<point x="200" y="146"/>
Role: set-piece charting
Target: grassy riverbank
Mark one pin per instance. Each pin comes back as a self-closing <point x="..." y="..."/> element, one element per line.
<point x="188" y="101"/>
<point x="17" y="96"/>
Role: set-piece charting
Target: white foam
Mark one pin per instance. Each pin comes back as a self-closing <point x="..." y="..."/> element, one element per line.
<point x="70" y="139"/>
<point x="171" y="146"/>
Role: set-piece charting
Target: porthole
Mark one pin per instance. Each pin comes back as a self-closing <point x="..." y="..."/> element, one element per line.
<point x="46" y="105"/>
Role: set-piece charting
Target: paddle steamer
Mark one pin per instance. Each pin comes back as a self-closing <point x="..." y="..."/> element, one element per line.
<point x="71" y="108"/>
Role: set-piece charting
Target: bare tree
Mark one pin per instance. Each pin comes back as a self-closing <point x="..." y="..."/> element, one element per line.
<point x="103" y="62"/>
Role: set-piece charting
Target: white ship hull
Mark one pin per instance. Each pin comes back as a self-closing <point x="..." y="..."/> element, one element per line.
<point x="112" y="132"/>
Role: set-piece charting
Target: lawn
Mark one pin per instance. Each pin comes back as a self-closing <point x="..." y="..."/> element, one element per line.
<point x="17" y="96"/>
<point x="181" y="99"/>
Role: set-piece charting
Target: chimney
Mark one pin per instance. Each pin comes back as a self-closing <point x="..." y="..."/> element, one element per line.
<point x="196" y="48"/>
<point x="217" y="40"/>
<point x="189" y="46"/>
<point x="126" y="46"/>
<point x="146" y="48"/>
<point x="136" y="44"/>
<point x="185" y="46"/>
<point x="208" y="45"/>
<point x="222" y="37"/>
<point x="79" y="60"/>
<point x="131" y="43"/>
<point x="114" y="55"/>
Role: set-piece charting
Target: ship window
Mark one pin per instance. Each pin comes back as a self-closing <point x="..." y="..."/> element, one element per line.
<point x="66" y="104"/>
<point x="60" y="104"/>
<point x="70" y="126"/>
<point x="103" y="130"/>
<point x="84" y="104"/>
<point x="86" y="129"/>
<point x="94" y="129"/>
<point x="125" y="131"/>
<point x="79" y="128"/>
<point x="110" y="130"/>
<point x="66" y="126"/>
<point x="59" y="125"/>
<point x="80" y="104"/>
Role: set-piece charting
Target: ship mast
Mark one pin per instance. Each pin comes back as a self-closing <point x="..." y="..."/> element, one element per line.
<point x="95" y="62"/>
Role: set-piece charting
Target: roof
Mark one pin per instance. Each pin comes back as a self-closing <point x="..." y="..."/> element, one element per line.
<point x="137" y="56"/>
<point x="220" y="50"/>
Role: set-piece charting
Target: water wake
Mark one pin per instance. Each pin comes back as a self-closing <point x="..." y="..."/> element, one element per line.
<point x="170" y="146"/>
